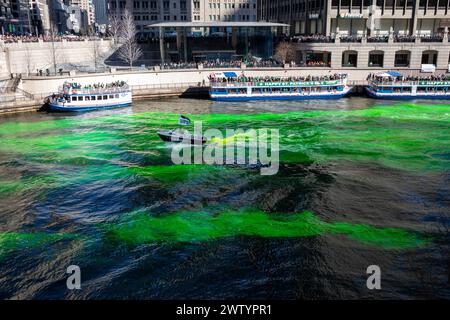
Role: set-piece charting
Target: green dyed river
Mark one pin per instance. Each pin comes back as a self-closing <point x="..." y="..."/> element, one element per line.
<point x="360" y="183"/>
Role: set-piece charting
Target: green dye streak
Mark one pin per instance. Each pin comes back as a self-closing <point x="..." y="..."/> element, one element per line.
<point x="14" y="241"/>
<point x="141" y="227"/>
<point x="178" y="173"/>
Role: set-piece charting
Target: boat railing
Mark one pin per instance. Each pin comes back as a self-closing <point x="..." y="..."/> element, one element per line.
<point x="409" y="83"/>
<point x="263" y="84"/>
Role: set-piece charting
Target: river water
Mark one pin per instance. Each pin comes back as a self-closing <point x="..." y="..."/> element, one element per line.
<point x="360" y="183"/>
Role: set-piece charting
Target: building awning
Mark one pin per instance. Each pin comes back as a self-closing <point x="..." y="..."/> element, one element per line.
<point x="199" y="24"/>
<point x="390" y="74"/>
<point x="225" y="74"/>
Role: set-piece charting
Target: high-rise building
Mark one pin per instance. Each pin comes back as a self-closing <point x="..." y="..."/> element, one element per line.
<point x="100" y="11"/>
<point x="40" y="16"/>
<point x="58" y="15"/>
<point x="358" y="17"/>
<point x="6" y="24"/>
<point x="88" y="7"/>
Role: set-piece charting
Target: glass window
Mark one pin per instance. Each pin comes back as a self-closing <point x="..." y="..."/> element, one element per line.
<point x="116" y="96"/>
<point x="74" y="98"/>
<point x="99" y="97"/>
<point x="111" y="96"/>
<point x="105" y="97"/>
<point x="93" y="98"/>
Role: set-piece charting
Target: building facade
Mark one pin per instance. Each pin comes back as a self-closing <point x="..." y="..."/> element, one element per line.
<point x="6" y="18"/>
<point x="100" y="11"/>
<point x="40" y="13"/>
<point x="358" y="17"/>
<point x="391" y="34"/>
<point x="147" y="12"/>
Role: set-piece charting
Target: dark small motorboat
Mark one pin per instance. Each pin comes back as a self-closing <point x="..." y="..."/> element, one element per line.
<point x="180" y="136"/>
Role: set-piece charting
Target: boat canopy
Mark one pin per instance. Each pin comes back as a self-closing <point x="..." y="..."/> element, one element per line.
<point x="230" y="74"/>
<point x="226" y="74"/>
<point x="390" y="74"/>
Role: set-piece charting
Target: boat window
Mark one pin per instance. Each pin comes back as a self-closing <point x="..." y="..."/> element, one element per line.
<point x="105" y="97"/>
<point x="80" y="98"/>
<point x="87" y="98"/>
<point x="93" y="98"/>
<point x="116" y="96"/>
<point x="74" y="98"/>
<point x="111" y="96"/>
<point x="99" y="97"/>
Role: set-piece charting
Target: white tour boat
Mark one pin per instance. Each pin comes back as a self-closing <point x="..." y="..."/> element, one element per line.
<point x="394" y="86"/>
<point x="228" y="86"/>
<point x="78" y="98"/>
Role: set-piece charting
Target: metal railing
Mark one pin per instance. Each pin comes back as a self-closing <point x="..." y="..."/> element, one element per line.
<point x="84" y="90"/>
<point x="410" y="83"/>
<point x="179" y="85"/>
<point x="266" y="84"/>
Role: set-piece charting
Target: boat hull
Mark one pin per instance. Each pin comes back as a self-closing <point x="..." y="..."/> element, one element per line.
<point x="168" y="136"/>
<point x="375" y="95"/>
<point x="280" y="97"/>
<point x="62" y="108"/>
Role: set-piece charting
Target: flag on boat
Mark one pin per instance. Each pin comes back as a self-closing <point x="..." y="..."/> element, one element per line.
<point x="184" y="121"/>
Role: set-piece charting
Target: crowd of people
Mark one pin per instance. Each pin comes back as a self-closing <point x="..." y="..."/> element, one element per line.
<point x="352" y="38"/>
<point x="319" y="38"/>
<point x="404" y="38"/>
<point x="247" y="79"/>
<point x="219" y="63"/>
<point x="11" y="38"/>
<point x="431" y="38"/>
<point x="70" y="86"/>
<point x="317" y="64"/>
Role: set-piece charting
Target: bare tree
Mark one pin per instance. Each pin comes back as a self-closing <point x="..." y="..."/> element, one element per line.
<point x="53" y="32"/>
<point x="285" y="52"/>
<point x="130" y="50"/>
<point x="96" y="54"/>
<point x="115" y="26"/>
<point x="29" y="60"/>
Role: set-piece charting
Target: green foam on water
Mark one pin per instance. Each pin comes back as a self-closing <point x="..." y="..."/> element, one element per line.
<point x="141" y="227"/>
<point x="177" y="173"/>
<point x="14" y="241"/>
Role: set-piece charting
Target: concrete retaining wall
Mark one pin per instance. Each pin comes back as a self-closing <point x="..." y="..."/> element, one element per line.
<point x="27" y="57"/>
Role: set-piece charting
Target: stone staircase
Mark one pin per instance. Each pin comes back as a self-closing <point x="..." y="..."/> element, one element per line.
<point x="14" y="99"/>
